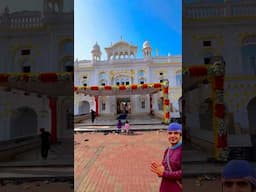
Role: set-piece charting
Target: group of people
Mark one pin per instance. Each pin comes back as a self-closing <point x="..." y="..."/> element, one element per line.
<point x="237" y="175"/>
<point x="126" y="127"/>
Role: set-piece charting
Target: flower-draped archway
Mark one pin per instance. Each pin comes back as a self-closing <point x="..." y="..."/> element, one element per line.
<point x="134" y="89"/>
<point x="214" y="74"/>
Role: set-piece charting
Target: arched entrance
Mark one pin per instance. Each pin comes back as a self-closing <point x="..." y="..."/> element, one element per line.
<point x="23" y="122"/>
<point x="84" y="107"/>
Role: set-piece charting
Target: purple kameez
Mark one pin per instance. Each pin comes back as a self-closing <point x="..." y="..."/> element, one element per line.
<point x="170" y="178"/>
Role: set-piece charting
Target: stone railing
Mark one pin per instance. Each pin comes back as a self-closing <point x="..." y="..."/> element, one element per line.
<point x="26" y="22"/>
<point x="21" y="21"/>
<point x="225" y="9"/>
<point x="172" y="59"/>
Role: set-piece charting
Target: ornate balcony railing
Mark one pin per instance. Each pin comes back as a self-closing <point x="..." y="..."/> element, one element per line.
<point x="225" y="9"/>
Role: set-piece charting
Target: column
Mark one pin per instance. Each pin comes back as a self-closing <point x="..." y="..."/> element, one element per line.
<point x="150" y="104"/>
<point x="53" y="107"/>
<point x="97" y="105"/>
<point x="166" y="103"/>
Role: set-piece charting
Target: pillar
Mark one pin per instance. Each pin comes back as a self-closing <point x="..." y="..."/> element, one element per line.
<point x="150" y="104"/>
<point x="166" y="103"/>
<point x="53" y="107"/>
<point x="97" y="105"/>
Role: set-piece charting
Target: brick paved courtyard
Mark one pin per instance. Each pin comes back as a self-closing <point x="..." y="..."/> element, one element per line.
<point x="120" y="163"/>
<point x="117" y="162"/>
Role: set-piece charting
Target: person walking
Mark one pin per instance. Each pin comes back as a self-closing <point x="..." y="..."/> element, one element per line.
<point x="170" y="168"/>
<point x="119" y="126"/>
<point x="238" y="176"/>
<point x="45" y="143"/>
<point x="93" y="115"/>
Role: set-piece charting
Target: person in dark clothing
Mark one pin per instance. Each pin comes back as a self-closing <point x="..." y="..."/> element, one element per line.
<point x="93" y="115"/>
<point x="45" y="143"/>
<point x="119" y="126"/>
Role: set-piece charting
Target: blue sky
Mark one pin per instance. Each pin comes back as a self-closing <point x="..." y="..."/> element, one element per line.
<point x="105" y="21"/>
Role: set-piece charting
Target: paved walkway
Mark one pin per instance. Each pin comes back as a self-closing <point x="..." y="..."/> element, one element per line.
<point x="141" y="119"/>
<point x="121" y="163"/>
<point x="29" y="165"/>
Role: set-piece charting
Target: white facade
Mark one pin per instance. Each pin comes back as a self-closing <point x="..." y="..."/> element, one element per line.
<point x="35" y="42"/>
<point x="222" y="28"/>
<point x="122" y="67"/>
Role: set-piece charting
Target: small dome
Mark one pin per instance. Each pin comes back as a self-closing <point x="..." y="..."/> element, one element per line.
<point x="146" y="44"/>
<point x="96" y="47"/>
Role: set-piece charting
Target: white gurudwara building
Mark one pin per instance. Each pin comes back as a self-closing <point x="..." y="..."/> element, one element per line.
<point x="123" y="68"/>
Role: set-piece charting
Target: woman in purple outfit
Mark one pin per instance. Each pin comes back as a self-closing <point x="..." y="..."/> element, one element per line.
<point x="170" y="168"/>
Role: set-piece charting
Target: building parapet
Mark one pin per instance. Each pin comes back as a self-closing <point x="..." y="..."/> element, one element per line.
<point x="224" y="9"/>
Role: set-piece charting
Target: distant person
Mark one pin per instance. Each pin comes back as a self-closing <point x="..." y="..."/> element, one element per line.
<point x="45" y="143"/>
<point x="170" y="168"/>
<point x="126" y="108"/>
<point x="93" y="115"/>
<point x="119" y="126"/>
<point x="238" y="176"/>
<point x="126" y="127"/>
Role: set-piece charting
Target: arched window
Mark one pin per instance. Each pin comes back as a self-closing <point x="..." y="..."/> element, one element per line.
<point x="141" y="73"/>
<point x="207" y="58"/>
<point x="142" y="80"/>
<point x="69" y="66"/>
<point x="103" y="78"/>
<point x="26" y="68"/>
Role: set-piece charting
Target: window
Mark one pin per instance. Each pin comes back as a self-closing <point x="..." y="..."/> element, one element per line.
<point x="207" y="43"/>
<point x="161" y="80"/>
<point x="141" y="73"/>
<point x="26" y="69"/>
<point x="69" y="68"/>
<point x="103" y="84"/>
<point x="141" y="82"/>
<point x="85" y="84"/>
<point x="25" y="52"/>
<point x="127" y="82"/>
<point x="207" y="60"/>
<point x="117" y="83"/>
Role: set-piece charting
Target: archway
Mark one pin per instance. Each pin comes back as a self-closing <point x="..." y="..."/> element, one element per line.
<point x="23" y="122"/>
<point x="84" y="107"/>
